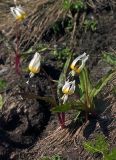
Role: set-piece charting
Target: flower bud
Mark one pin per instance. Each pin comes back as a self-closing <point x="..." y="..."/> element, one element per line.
<point x="34" y="65"/>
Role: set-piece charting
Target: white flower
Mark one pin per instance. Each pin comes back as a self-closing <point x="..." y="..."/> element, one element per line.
<point x="34" y="65"/>
<point x="78" y="67"/>
<point x="68" y="89"/>
<point x="18" y="13"/>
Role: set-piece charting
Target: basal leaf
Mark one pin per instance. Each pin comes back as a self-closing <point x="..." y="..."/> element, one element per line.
<point x="103" y="81"/>
<point x="85" y="83"/>
<point x="62" y="108"/>
<point x="86" y="87"/>
<point x="77" y="105"/>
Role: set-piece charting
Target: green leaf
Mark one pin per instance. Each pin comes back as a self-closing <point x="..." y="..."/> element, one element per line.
<point x="77" y="105"/>
<point x="1" y="101"/>
<point x="99" y="145"/>
<point x="2" y="84"/>
<point x="78" y="4"/>
<point x="102" y="83"/>
<point x="62" y="108"/>
<point x="85" y="83"/>
<point x="86" y="87"/>
<point x="89" y="146"/>
<point x="66" y="4"/>
<point x="90" y="24"/>
<point x="62" y="77"/>
<point x="29" y="51"/>
<point x="111" y="155"/>
<point x="109" y="58"/>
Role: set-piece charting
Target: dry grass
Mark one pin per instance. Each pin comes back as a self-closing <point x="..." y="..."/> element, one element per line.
<point x="6" y="19"/>
<point x="45" y="15"/>
<point x="41" y="15"/>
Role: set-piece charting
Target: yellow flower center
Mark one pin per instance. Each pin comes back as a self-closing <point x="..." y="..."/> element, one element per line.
<point x="34" y="69"/>
<point x="66" y="90"/>
<point x="21" y="17"/>
<point x="75" y="68"/>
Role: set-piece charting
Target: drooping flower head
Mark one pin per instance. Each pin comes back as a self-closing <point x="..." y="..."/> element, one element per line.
<point x="68" y="89"/>
<point x="79" y="63"/>
<point x="34" y="65"/>
<point x="18" y="13"/>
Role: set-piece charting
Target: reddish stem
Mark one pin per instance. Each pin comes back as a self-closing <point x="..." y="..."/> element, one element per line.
<point x="63" y="118"/>
<point x="17" y="63"/>
<point x="60" y="118"/>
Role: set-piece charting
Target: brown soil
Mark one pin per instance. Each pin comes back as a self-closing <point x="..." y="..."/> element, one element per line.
<point x="28" y="129"/>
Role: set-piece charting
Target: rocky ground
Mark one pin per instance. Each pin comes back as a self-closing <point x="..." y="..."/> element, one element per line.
<point x="28" y="129"/>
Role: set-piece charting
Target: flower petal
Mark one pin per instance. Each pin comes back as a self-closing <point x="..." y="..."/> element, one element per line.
<point x="77" y="68"/>
<point x="34" y="65"/>
<point x="18" y="12"/>
<point x="78" y="58"/>
<point x="69" y="87"/>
